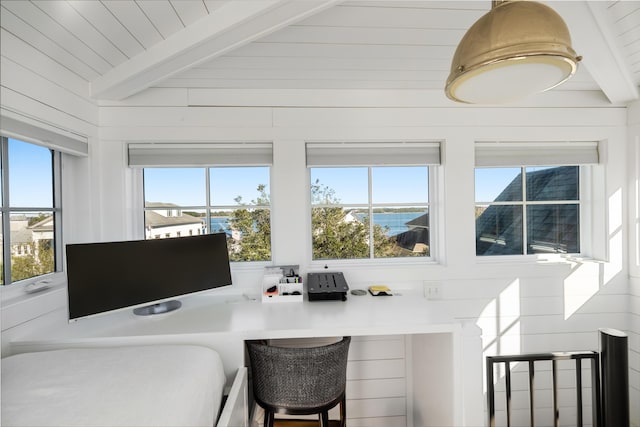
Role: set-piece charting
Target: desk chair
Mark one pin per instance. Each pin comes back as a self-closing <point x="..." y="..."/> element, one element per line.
<point x="299" y="381"/>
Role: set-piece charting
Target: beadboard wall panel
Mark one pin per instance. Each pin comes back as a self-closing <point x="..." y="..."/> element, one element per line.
<point x="50" y="94"/>
<point x="633" y="176"/>
<point x="35" y="86"/>
<point x="14" y="49"/>
<point x="185" y="116"/>
<point x="537" y="319"/>
<point x="446" y="117"/>
<point x="521" y="307"/>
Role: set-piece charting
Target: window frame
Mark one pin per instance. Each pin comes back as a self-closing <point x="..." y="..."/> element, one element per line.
<point x="208" y="207"/>
<point x="373" y="153"/>
<point x="524" y="203"/>
<point x="586" y="155"/>
<point x="6" y="210"/>
<point x="202" y="154"/>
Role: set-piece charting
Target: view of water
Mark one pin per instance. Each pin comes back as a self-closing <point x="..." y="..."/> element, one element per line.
<point x="220" y="223"/>
<point x="396" y="222"/>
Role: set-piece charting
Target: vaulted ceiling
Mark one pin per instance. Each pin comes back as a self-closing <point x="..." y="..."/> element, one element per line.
<point x="123" y="47"/>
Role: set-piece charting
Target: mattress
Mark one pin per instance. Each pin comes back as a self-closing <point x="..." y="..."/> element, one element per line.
<point x="159" y="385"/>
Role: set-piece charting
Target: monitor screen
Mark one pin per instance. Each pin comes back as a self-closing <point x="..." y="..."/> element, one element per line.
<point x="108" y="276"/>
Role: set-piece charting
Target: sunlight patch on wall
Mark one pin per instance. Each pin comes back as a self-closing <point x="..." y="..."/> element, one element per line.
<point x="489" y="325"/>
<point x="637" y="230"/>
<point x="636" y="212"/>
<point x="616" y="250"/>
<point x="587" y="278"/>
<point x="500" y="317"/>
<point x="500" y="324"/>
<point x="614" y="266"/>
<point x="581" y="285"/>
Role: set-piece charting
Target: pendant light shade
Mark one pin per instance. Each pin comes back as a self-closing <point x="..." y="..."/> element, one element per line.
<point x="515" y="50"/>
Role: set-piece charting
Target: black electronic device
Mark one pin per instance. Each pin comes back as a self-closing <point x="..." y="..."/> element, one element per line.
<point x="114" y="275"/>
<point x="327" y="286"/>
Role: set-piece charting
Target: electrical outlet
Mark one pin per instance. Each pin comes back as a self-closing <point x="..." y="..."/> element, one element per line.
<point x="432" y="290"/>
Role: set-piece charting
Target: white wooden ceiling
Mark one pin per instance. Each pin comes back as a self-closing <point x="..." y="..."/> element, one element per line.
<point x="122" y="47"/>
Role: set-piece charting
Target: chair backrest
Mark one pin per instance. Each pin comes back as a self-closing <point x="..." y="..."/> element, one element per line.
<point x="299" y="378"/>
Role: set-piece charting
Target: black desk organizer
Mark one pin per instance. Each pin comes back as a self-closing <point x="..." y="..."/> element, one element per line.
<point x="327" y="286"/>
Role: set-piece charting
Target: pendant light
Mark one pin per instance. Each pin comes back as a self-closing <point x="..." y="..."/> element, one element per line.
<point x="517" y="49"/>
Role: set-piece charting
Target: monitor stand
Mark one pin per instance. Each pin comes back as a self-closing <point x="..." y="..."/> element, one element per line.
<point x="159" y="308"/>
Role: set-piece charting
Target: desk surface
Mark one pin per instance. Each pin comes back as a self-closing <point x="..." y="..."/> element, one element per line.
<point x="223" y="322"/>
<point x="249" y="319"/>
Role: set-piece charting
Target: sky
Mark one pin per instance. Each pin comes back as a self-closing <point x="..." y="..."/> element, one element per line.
<point x="389" y="184"/>
<point x="186" y="186"/>
<point x="489" y="182"/>
<point x="30" y="182"/>
<point x="30" y="175"/>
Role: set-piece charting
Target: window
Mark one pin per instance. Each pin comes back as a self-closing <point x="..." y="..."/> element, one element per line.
<point x="370" y="200"/>
<point x="30" y="210"/>
<point x="530" y="209"/>
<point x="230" y="194"/>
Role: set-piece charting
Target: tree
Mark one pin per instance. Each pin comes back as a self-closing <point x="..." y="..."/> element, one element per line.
<point x="335" y="236"/>
<point x="41" y="261"/>
<point x="253" y="225"/>
<point x="36" y="219"/>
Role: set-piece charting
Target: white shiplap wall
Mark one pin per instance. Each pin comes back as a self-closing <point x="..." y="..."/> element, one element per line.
<point x="320" y="45"/>
<point x="634" y="259"/>
<point x="41" y="92"/>
<point x="536" y="314"/>
<point x="520" y="306"/>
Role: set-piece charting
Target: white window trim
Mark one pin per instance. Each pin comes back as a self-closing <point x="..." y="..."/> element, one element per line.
<point x="592" y="186"/>
<point x="201" y="155"/>
<point x="16" y="291"/>
<point x="175" y="155"/>
<point x="327" y="157"/>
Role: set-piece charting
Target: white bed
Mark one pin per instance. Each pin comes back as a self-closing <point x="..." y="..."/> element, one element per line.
<point x="158" y="385"/>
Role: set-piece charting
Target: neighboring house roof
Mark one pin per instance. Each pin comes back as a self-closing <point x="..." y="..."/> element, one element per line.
<point x="551" y="230"/>
<point x="21" y="236"/>
<point x="22" y="233"/>
<point x="155" y="220"/>
<point x="421" y="221"/>
<point x="412" y="238"/>
<point x="417" y="235"/>
<point x="44" y="225"/>
<point x="160" y="205"/>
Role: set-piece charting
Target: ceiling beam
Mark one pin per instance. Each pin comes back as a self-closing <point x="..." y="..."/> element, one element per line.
<point x="234" y="24"/>
<point x="593" y="38"/>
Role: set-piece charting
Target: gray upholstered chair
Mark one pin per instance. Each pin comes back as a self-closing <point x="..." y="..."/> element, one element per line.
<point x="299" y="381"/>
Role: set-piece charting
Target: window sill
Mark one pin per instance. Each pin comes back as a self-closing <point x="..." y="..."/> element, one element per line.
<point x="19" y="307"/>
<point x="17" y="292"/>
<point x="368" y="263"/>
<point x="535" y="259"/>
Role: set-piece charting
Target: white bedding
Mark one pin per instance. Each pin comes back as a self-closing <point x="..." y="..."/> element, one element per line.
<point x="160" y="385"/>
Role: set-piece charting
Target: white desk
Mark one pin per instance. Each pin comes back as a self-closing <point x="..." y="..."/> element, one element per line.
<point x="224" y="322"/>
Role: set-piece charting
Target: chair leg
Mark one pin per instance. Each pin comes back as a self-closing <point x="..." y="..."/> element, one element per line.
<point x="343" y="412"/>
<point x="324" y="419"/>
<point x="268" y="418"/>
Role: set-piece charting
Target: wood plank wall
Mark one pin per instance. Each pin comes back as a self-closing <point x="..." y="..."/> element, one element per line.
<point x="537" y="319"/>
